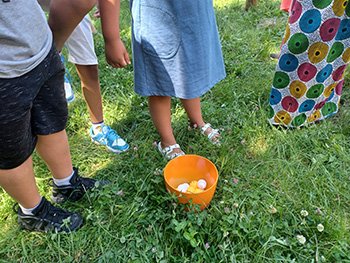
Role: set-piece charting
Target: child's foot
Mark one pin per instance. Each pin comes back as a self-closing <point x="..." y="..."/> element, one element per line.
<point x="212" y="134"/>
<point x="67" y="83"/>
<point x="47" y="217"/>
<point x="108" y="137"/>
<point x="170" y="152"/>
<point x="75" y="190"/>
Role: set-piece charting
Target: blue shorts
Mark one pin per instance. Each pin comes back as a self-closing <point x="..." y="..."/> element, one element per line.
<point x="30" y="105"/>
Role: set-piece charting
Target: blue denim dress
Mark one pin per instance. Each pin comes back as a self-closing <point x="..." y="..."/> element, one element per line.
<point x="176" y="48"/>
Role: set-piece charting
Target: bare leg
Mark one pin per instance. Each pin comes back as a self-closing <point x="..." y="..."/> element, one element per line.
<point x="65" y="15"/>
<point x="160" y="110"/>
<point x="20" y="184"/>
<point x="90" y="85"/>
<point x="54" y="150"/>
<point x="91" y="89"/>
<point x="194" y="113"/>
<point x="193" y="110"/>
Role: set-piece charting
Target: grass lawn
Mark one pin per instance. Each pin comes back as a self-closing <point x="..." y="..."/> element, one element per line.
<point x="267" y="176"/>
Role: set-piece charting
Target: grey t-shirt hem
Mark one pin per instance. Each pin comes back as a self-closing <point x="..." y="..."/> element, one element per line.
<point x="17" y="72"/>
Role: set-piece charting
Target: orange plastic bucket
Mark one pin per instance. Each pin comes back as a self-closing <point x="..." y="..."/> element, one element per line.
<point x="187" y="168"/>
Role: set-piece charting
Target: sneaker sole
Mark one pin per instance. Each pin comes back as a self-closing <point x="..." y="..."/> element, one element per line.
<point x="110" y="149"/>
<point x="70" y="99"/>
<point x="77" y="224"/>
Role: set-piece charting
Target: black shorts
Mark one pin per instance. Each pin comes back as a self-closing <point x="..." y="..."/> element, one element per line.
<point x="30" y="105"/>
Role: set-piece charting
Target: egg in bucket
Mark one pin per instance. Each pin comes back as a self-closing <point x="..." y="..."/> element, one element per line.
<point x="188" y="168"/>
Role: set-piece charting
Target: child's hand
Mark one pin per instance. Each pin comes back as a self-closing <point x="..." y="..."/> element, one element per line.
<point x="116" y="54"/>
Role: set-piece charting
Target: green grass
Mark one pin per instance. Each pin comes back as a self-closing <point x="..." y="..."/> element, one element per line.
<point x="261" y="168"/>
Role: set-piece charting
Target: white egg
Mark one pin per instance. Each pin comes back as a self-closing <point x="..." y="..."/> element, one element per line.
<point x="202" y="184"/>
<point x="183" y="187"/>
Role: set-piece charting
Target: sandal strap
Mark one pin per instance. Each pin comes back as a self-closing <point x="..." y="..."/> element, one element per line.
<point x="168" y="149"/>
<point x="213" y="132"/>
<point x="205" y="127"/>
<point x="168" y="153"/>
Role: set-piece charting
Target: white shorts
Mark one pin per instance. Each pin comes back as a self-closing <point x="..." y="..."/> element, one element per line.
<point x="80" y="44"/>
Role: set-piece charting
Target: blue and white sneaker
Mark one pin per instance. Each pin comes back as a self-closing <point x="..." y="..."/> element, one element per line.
<point x="67" y="83"/>
<point x="109" y="138"/>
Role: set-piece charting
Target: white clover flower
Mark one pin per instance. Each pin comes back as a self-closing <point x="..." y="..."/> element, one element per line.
<point x="158" y="171"/>
<point x="120" y="193"/>
<point x="235" y="205"/>
<point x="304" y="213"/>
<point x="301" y="239"/>
<point x="273" y="210"/>
<point x="320" y="228"/>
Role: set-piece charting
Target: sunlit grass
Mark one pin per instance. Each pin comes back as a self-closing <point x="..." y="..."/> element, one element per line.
<point x="267" y="176"/>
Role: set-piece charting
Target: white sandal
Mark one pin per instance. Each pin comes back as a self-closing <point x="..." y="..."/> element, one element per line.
<point x="213" y="135"/>
<point x="168" y="152"/>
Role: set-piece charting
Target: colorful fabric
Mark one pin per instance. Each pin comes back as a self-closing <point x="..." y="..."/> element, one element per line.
<point x="285" y="5"/>
<point x="309" y="76"/>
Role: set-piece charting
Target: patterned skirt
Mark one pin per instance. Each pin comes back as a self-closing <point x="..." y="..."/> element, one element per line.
<point x="309" y="76"/>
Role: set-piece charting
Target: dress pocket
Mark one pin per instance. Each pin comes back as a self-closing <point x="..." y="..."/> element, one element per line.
<point x="160" y="35"/>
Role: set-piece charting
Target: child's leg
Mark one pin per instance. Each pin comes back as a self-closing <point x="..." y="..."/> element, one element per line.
<point x="90" y="85"/>
<point x="193" y="110"/>
<point x="54" y="150"/>
<point x="99" y="132"/>
<point x="35" y="213"/>
<point x="82" y="54"/>
<point x="194" y="113"/>
<point x="20" y="184"/>
<point x="67" y="183"/>
<point x="48" y="115"/>
<point x="65" y="15"/>
<point x="160" y="109"/>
